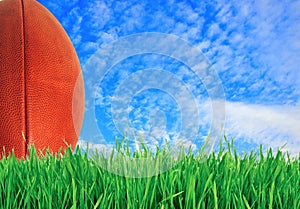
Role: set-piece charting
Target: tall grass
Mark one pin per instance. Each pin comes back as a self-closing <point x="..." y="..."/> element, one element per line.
<point x="220" y="180"/>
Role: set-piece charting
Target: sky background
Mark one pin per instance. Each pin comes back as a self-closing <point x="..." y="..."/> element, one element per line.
<point x="254" y="46"/>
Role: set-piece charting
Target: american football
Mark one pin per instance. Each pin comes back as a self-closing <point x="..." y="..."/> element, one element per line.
<point x="41" y="84"/>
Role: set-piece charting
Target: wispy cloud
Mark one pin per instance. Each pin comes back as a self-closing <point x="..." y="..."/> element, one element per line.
<point x="252" y="45"/>
<point x="271" y="126"/>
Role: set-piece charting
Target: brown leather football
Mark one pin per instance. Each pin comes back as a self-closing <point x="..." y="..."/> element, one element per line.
<point x="41" y="85"/>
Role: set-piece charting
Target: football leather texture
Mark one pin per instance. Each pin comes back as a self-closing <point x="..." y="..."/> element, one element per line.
<point x="41" y="84"/>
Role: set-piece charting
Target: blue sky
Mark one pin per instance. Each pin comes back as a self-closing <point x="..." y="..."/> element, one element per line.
<point x="253" y="46"/>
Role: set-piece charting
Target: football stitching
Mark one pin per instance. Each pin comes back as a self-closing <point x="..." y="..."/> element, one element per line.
<point x="24" y="78"/>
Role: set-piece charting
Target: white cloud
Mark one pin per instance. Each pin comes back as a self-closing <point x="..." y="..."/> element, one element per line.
<point x="260" y="124"/>
<point x="99" y="14"/>
<point x="214" y="30"/>
<point x="93" y="147"/>
<point x="263" y="34"/>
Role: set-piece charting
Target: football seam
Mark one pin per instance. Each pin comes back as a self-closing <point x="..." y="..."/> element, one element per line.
<point x="24" y="77"/>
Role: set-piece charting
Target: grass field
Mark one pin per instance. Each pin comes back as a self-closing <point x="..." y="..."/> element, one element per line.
<point x="220" y="180"/>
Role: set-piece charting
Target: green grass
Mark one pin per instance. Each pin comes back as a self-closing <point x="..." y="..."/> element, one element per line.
<point x="220" y="180"/>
